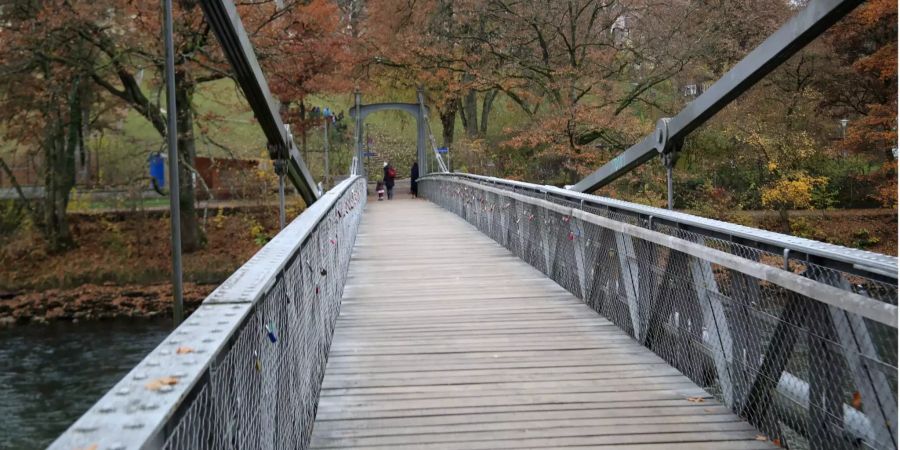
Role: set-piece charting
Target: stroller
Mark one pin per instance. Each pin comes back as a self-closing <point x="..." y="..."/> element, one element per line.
<point x="379" y="188"/>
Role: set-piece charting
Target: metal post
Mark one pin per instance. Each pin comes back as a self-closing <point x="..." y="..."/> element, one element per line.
<point x="280" y="166"/>
<point x="174" y="187"/>
<point x="327" y="168"/>
<point x="359" y="155"/>
<point x="844" y="123"/>
<point x="669" y="159"/>
<point x="368" y="151"/>
<point x="421" y="155"/>
<point x="669" y="185"/>
<point x="281" y="214"/>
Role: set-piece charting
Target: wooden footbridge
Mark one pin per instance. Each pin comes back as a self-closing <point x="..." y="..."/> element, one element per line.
<point x="500" y="314"/>
<point x="446" y="340"/>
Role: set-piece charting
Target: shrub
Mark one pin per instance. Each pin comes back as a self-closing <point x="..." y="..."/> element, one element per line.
<point x="863" y="239"/>
<point x="795" y="192"/>
<point x="12" y="216"/>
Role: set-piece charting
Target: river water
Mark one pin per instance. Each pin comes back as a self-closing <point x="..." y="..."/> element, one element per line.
<point x="51" y="374"/>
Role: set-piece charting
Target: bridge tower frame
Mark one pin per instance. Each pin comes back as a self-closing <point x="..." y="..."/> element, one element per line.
<point x="418" y="110"/>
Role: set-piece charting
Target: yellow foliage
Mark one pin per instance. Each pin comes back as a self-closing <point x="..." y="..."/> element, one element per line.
<point x="218" y="221"/>
<point x="77" y="201"/>
<point x="791" y="193"/>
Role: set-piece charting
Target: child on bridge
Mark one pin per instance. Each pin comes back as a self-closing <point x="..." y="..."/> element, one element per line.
<point x="379" y="188"/>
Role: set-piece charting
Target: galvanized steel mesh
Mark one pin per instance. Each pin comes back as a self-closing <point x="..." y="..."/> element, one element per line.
<point x="807" y="374"/>
<point x="261" y="394"/>
<point x="246" y="368"/>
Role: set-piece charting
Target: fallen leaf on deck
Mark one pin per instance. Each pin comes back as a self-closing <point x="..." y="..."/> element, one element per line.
<point x="777" y="442"/>
<point x="184" y="350"/>
<point x="760" y="437"/>
<point x="695" y="399"/>
<point x="158" y="383"/>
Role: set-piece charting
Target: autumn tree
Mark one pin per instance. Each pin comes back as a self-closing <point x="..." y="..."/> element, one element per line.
<point x="860" y="84"/>
<point x="578" y="67"/>
<point x="786" y="128"/>
<point x="126" y="42"/>
<point x="309" y="53"/>
<point x="45" y="103"/>
<point x="426" y="45"/>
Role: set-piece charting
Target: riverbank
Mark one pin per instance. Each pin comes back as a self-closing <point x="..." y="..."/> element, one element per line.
<point x="874" y="230"/>
<point x="98" y="302"/>
<point x="121" y="266"/>
<point x="131" y="249"/>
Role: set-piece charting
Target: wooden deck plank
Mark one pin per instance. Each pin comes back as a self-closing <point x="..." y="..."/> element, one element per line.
<point x="446" y="340"/>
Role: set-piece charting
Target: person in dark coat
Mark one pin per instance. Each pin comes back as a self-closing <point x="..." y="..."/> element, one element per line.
<point x="413" y="178"/>
<point x="389" y="175"/>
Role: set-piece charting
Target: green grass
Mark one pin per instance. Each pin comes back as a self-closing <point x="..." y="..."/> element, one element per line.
<point x="84" y="205"/>
<point x="223" y="115"/>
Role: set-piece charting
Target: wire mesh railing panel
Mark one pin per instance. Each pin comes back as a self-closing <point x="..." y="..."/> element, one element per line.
<point x="736" y="238"/>
<point x="804" y="354"/>
<point x="245" y="370"/>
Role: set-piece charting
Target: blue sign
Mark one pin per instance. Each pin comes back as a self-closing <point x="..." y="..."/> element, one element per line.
<point x="157" y="169"/>
<point x="443" y="150"/>
<point x="370" y="154"/>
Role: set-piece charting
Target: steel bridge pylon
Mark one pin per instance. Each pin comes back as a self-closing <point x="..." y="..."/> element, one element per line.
<point x="418" y="110"/>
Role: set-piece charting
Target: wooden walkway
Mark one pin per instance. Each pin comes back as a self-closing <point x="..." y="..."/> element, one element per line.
<point x="446" y="340"/>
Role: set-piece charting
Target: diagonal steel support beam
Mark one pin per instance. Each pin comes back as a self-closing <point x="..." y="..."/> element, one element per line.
<point x="223" y="18"/>
<point x="808" y="24"/>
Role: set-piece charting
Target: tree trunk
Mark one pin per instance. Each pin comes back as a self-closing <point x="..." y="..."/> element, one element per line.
<point x="62" y="140"/>
<point x="785" y="219"/>
<point x="462" y="114"/>
<point x="192" y="237"/>
<point x="448" y="121"/>
<point x="82" y="168"/>
<point x="470" y="105"/>
<point x="486" y="105"/>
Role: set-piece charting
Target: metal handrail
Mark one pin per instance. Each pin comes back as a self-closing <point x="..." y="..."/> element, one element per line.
<point x="770" y="344"/>
<point x="869" y="264"/>
<point x="854" y="303"/>
<point x="135" y="413"/>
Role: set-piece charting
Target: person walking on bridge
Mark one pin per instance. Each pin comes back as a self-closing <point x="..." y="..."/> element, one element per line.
<point x="413" y="178"/>
<point x="389" y="175"/>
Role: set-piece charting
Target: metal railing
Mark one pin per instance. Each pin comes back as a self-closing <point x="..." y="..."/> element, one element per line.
<point x="244" y="370"/>
<point x="801" y="341"/>
<point x="870" y="265"/>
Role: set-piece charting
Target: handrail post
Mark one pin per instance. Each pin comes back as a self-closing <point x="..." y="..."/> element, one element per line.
<point x="327" y="162"/>
<point x="280" y="167"/>
<point x="358" y="144"/>
<point x="174" y="186"/>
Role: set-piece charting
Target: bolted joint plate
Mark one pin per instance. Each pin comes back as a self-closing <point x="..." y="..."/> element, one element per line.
<point x="280" y="166"/>
<point x="275" y="151"/>
<point x="661" y="135"/>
